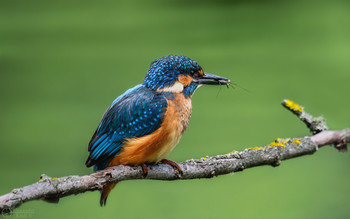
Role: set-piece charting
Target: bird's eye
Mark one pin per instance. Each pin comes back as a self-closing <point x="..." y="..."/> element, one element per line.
<point x="192" y="72"/>
<point x="195" y="74"/>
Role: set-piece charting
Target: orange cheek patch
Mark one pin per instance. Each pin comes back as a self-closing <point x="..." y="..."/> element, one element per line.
<point x="185" y="80"/>
<point x="201" y="72"/>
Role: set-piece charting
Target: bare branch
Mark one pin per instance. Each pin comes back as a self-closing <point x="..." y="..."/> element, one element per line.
<point x="52" y="189"/>
<point x="338" y="138"/>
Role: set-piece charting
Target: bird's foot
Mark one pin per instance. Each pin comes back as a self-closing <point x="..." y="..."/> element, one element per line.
<point x="144" y="170"/>
<point x="173" y="164"/>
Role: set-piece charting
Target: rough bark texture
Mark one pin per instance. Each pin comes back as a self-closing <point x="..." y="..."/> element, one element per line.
<point x="52" y="189"/>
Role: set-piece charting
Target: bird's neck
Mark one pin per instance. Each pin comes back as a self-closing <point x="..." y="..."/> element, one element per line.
<point x="190" y="89"/>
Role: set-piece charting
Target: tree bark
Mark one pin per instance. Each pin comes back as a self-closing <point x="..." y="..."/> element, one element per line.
<point x="52" y="189"/>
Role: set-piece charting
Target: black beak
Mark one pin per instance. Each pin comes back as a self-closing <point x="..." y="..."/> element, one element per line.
<point x="213" y="80"/>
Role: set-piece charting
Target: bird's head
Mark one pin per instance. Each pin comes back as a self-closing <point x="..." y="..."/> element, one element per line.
<point x="179" y="74"/>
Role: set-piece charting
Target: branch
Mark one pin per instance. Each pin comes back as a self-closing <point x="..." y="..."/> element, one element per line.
<point x="315" y="125"/>
<point x="52" y="189"/>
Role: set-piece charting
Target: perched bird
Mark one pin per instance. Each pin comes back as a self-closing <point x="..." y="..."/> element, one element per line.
<point x="144" y="124"/>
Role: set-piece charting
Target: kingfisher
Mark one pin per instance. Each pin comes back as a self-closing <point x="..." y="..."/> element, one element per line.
<point x="143" y="125"/>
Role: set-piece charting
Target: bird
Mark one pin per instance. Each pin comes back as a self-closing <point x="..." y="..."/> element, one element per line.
<point x="144" y="124"/>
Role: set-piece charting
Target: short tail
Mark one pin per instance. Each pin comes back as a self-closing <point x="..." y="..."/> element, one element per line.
<point x="105" y="192"/>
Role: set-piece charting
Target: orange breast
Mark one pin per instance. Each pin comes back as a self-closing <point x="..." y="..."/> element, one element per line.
<point x="157" y="145"/>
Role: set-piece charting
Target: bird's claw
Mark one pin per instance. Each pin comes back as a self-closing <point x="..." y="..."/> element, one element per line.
<point x="144" y="170"/>
<point x="173" y="164"/>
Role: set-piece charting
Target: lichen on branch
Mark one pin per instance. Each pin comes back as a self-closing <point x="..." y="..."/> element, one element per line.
<point x="52" y="189"/>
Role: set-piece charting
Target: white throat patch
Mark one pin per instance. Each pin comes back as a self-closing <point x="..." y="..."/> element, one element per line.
<point x="177" y="87"/>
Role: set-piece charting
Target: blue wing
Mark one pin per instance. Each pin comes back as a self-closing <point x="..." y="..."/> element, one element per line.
<point x="138" y="112"/>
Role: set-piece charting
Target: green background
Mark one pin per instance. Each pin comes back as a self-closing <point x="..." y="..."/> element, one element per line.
<point x="62" y="63"/>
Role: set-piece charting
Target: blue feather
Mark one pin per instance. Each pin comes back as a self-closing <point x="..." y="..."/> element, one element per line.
<point x="190" y="89"/>
<point x="164" y="71"/>
<point x="137" y="112"/>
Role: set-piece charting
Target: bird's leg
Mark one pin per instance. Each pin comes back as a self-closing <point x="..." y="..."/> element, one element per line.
<point x="173" y="164"/>
<point x="144" y="170"/>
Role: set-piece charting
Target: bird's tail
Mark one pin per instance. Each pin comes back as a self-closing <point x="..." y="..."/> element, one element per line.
<point x="105" y="192"/>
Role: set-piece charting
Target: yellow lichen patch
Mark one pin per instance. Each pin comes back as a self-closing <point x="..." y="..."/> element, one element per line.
<point x="203" y="158"/>
<point x="276" y="144"/>
<point x="255" y="148"/>
<point x="46" y="177"/>
<point x="296" y="141"/>
<point x="293" y="106"/>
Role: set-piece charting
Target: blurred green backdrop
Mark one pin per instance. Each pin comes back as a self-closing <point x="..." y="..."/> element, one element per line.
<point x="62" y="63"/>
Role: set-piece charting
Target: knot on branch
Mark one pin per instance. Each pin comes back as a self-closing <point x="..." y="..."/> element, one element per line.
<point x="317" y="124"/>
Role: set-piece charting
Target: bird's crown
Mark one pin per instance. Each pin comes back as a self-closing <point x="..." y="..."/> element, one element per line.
<point x="165" y="71"/>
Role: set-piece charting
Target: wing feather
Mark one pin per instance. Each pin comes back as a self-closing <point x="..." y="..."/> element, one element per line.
<point x="138" y="112"/>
